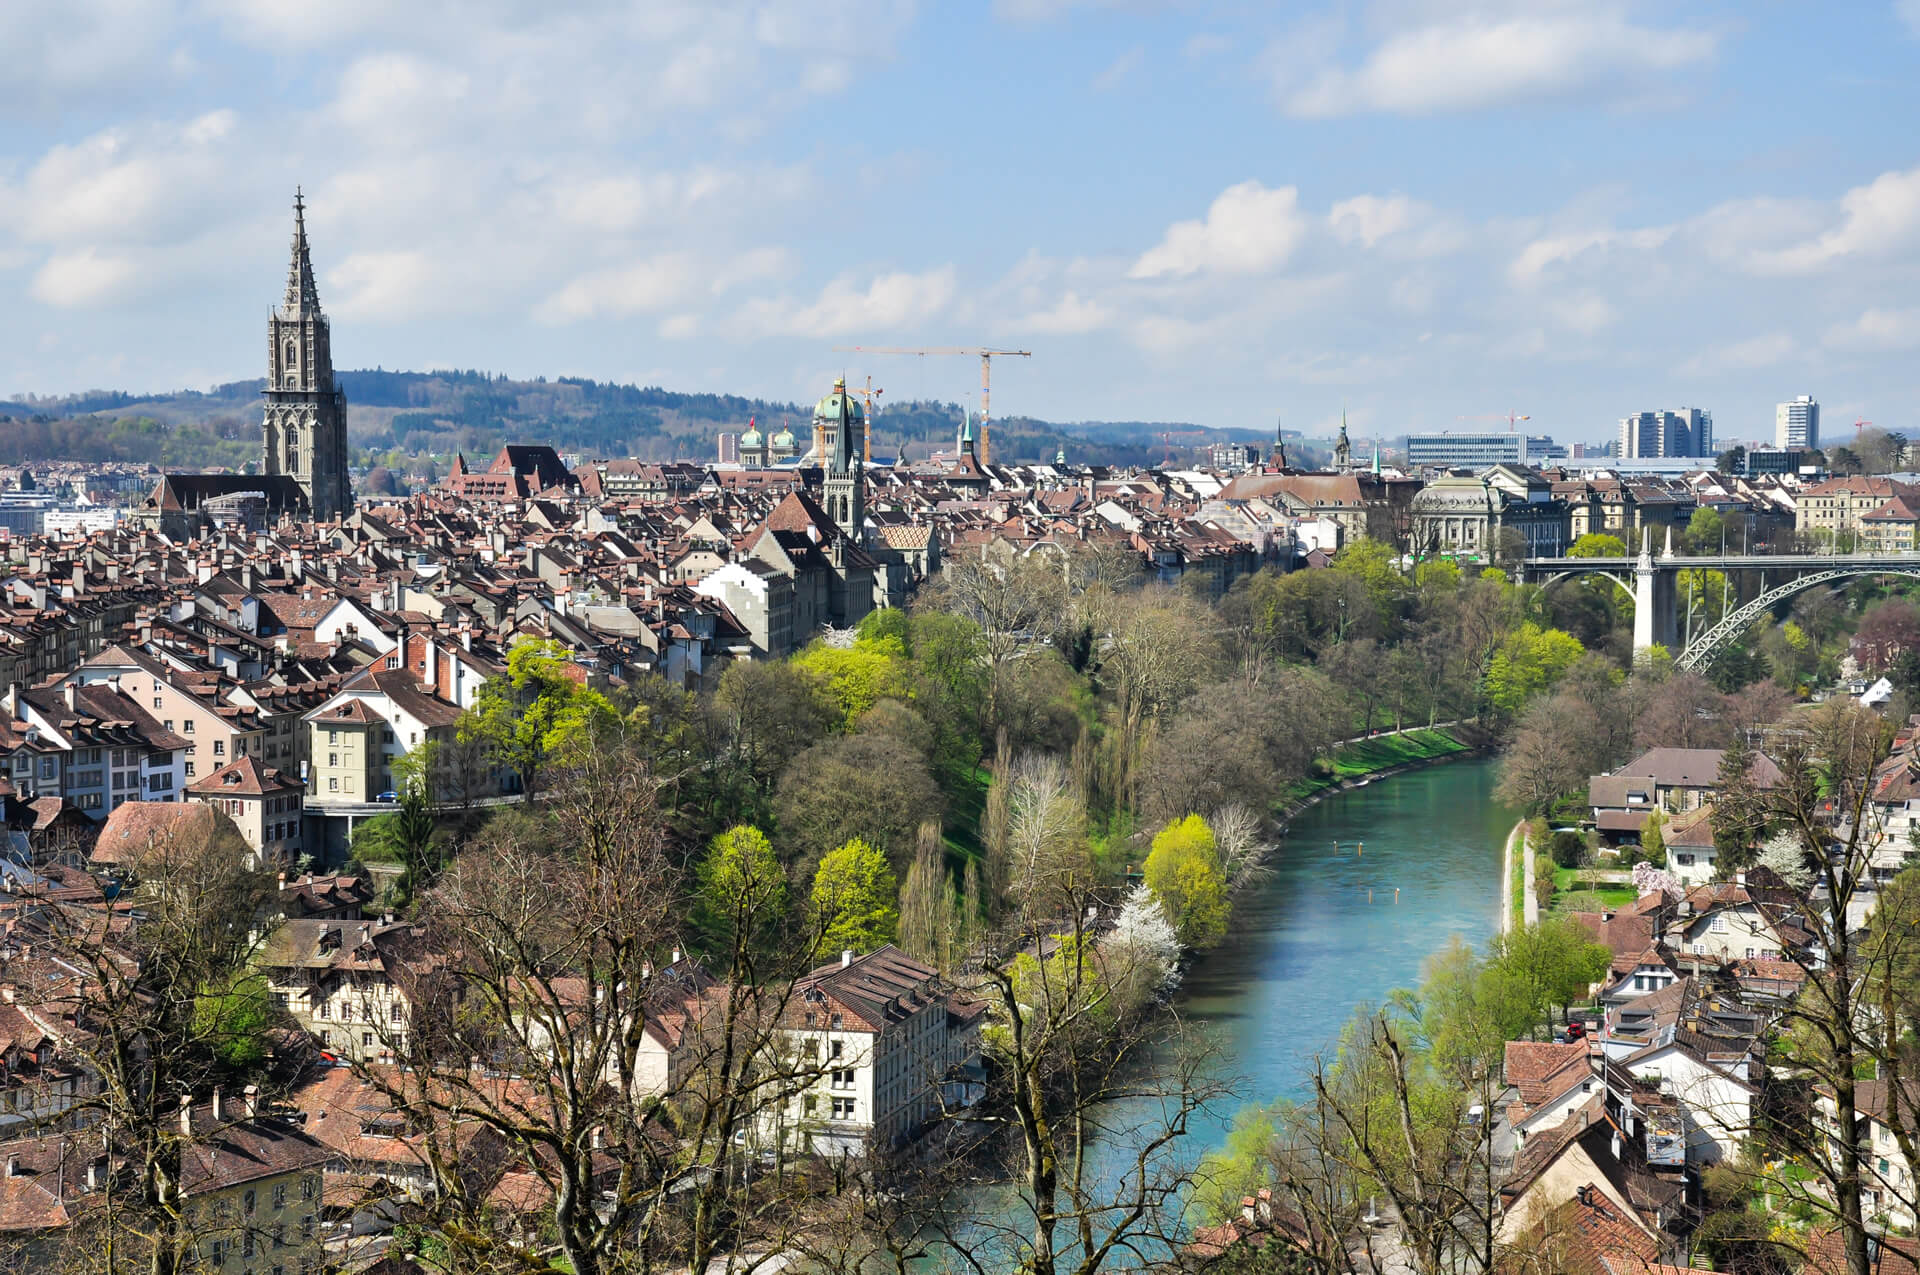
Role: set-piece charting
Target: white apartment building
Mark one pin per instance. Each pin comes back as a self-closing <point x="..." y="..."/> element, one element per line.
<point x="1797" y="424"/>
<point x="888" y="1037"/>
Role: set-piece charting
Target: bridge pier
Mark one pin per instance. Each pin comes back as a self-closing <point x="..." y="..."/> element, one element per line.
<point x="1655" y="601"/>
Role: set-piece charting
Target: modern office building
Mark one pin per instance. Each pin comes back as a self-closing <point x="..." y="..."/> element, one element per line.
<point x="1476" y="450"/>
<point x="1687" y="431"/>
<point x="1797" y="424"/>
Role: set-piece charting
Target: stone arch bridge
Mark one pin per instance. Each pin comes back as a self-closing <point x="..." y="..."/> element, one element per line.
<point x="1654" y="583"/>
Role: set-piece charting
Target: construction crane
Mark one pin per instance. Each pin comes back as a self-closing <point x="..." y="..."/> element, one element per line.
<point x="866" y="435"/>
<point x="1858" y="426"/>
<point x="986" y="373"/>
<point x="1509" y="418"/>
<point x="1167" y="437"/>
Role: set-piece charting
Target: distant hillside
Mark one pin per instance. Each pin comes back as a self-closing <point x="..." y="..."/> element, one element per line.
<point x="394" y="417"/>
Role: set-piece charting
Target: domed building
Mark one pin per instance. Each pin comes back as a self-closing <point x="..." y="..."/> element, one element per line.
<point x="753" y="447"/>
<point x="1468" y="513"/>
<point x="784" y="446"/>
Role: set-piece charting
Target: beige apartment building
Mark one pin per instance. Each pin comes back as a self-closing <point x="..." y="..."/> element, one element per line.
<point x="1838" y="505"/>
<point x="262" y="802"/>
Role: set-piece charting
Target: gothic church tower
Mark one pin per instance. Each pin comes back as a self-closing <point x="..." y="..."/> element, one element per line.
<point x="839" y="418"/>
<point x="306" y="414"/>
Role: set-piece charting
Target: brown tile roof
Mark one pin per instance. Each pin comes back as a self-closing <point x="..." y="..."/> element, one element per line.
<point x="244" y="778"/>
<point x="137" y="825"/>
<point x="1542" y="1071"/>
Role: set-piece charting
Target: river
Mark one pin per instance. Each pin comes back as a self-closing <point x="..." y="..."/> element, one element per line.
<point x="1325" y="933"/>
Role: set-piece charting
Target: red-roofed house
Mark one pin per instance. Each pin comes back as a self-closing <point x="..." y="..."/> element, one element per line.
<point x="262" y="802"/>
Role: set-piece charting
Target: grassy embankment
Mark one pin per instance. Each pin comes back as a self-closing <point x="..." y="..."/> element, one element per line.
<point x="1370" y="756"/>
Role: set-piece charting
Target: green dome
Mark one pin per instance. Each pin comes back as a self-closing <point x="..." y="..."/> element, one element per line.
<point x="783" y="439"/>
<point x="837" y="403"/>
<point x="751" y="438"/>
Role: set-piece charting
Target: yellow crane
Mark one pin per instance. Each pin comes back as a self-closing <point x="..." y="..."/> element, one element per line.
<point x="986" y="357"/>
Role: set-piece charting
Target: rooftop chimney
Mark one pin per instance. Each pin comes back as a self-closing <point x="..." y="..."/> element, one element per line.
<point x="846" y="957"/>
<point x="218" y="1113"/>
<point x="186" y="1116"/>
<point x="13" y="1166"/>
<point x="250" y="1100"/>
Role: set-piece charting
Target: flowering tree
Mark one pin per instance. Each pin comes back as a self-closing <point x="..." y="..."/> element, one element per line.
<point x="1142" y="952"/>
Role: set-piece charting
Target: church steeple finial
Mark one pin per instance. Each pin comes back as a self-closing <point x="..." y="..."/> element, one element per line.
<point x="302" y="295"/>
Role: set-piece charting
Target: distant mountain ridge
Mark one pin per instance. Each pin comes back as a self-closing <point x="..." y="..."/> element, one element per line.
<point x="394" y="417"/>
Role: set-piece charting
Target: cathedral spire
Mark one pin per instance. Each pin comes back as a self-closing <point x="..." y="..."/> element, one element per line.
<point x="302" y="295"/>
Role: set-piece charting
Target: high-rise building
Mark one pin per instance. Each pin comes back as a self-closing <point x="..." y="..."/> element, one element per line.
<point x="1445" y="449"/>
<point x="729" y="444"/>
<point x="1797" y="424"/>
<point x="1685" y="432"/>
<point x="305" y="421"/>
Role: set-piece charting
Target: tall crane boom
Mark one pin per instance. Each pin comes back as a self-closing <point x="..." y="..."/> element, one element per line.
<point x="1508" y="417"/>
<point x="986" y="374"/>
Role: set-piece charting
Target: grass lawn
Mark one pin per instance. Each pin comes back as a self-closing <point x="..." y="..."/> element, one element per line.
<point x="1605" y="899"/>
<point x="1383" y="751"/>
<point x="1368" y="756"/>
<point x="966" y="802"/>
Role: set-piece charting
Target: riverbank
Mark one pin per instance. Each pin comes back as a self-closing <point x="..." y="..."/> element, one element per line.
<point x="1360" y="762"/>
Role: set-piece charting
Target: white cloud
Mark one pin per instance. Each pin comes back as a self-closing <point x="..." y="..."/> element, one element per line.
<point x="1477" y="61"/>
<point x="1585" y="314"/>
<point x="1879" y="330"/>
<point x="1120" y="69"/>
<point x="1367" y="219"/>
<point x="1072" y="315"/>
<point x="896" y="299"/>
<point x="1248" y="230"/>
<point x="384" y="286"/>
<point x="399" y="99"/>
<point x="1539" y="256"/>
<point x="83" y="278"/>
<point x="1750" y="355"/>
<point x="1875" y="219"/>
<point x="644" y="287"/>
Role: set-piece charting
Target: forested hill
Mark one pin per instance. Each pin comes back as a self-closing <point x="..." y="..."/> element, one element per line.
<point x="393" y="416"/>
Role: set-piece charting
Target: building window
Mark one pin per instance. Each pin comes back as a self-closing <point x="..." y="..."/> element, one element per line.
<point x="189" y="770"/>
<point x="279" y="1195"/>
<point x="333" y="759"/>
<point x="333" y="784"/>
<point x="219" y="748"/>
<point x="366" y="1040"/>
<point x="248" y="1202"/>
<point x="187" y="726"/>
<point x="333" y="737"/>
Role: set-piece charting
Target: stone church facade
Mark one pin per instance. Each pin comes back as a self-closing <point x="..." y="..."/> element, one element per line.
<point x="305" y="421"/>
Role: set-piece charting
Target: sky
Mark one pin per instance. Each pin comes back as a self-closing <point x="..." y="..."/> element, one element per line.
<point x="1426" y="214"/>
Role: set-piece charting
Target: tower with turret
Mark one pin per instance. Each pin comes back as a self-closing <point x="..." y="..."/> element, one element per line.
<point x="305" y="419"/>
<point x="840" y="420"/>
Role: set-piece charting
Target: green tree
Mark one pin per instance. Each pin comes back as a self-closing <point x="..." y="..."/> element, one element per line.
<point x="1705" y="531"/>
<point x="538" y="713"/>
<point x="740" y="883"/>
<point x="1183" y="871"/>
<point x="1732" y="461"/>
<point x="1551" y="963"/>
<point x="858" y="677"/>
<point x="856" y="898"/>
<point x="1375" y="565"/>
<point x="1531" y="660"/>
<point x="1653" y="841"/>
<point x="1597" y="544"/>
<point x="232" y="1018"/>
